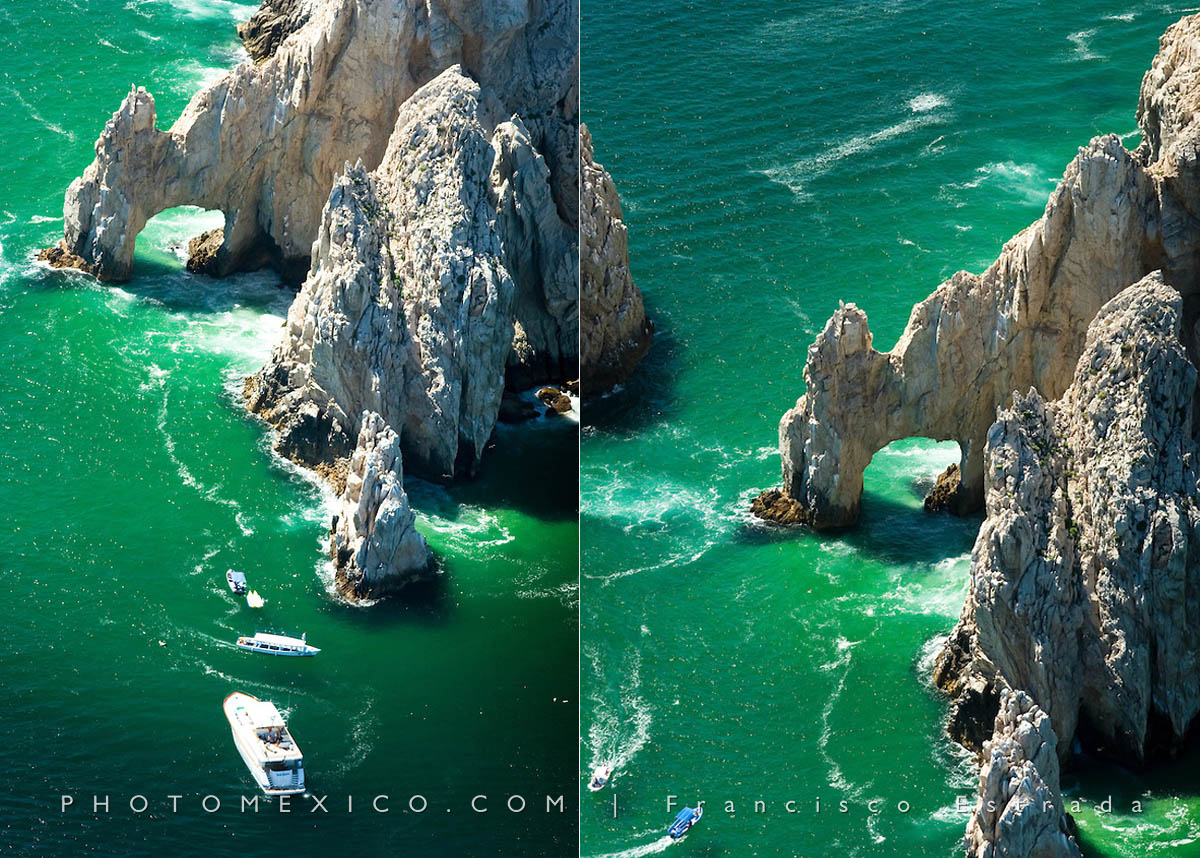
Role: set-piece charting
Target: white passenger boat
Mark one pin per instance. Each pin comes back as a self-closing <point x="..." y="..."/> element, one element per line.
<point x="266" y="746"/>
<point x="276" y="644"/>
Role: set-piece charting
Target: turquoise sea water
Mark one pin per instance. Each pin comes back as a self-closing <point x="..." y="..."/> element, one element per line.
<point x="773" y="159"/>
<point x="132" y="478"/>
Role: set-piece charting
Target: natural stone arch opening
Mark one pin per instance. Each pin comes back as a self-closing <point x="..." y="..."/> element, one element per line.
<point x="916" y="467"/>
<point x="172" y="236"/>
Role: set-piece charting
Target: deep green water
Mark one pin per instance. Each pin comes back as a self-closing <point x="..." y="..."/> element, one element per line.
<point x="773" y="159"/>
<point x="132" y="478"/>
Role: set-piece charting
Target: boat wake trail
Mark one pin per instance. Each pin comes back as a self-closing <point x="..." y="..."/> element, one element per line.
<point x="617" y="731"/>
<point x="657" y="846"/>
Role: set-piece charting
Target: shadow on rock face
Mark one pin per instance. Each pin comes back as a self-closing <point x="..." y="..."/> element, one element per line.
<point x="646" y="398"/>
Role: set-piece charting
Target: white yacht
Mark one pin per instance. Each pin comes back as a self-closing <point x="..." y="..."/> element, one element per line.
<point x="276" y="644"/>
<point x="266" y="746"/>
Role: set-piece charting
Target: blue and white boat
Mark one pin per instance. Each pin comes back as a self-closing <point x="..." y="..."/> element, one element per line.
<point x="687" y="817"/>
<point x="237" y="581"/>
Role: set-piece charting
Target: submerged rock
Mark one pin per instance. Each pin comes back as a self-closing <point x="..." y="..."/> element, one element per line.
<point x="374" y="542"/>
<point x="613" y="328"/>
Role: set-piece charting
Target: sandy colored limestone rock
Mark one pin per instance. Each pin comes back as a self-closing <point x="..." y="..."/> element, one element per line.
<point x="614" y="331"/>
<point x="264" y="143"/>
<point x="374" y="542"/>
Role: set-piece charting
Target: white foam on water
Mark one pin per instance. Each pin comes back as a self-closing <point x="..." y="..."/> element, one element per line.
<point x="44" y="219"/>
<point x="927" y="101"/>
<point x="196" y="8"/>
<point x="797" y="175"/>
<point x="1123" y="16"/>
<point x="472" y="529"/>
<point x="1081" y="43"/>
<point x="37" y="117"/>
<point x="652" y="848"/>
<point x="622" y="728"/>
<point x="159" y="378"/>
<point x="1024" y="182"/>
<point x="939" y="592"/>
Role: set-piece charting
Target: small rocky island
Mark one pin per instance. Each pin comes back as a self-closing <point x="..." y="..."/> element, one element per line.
<point x="413" y="165"/>
<point x="1067" y="374"/>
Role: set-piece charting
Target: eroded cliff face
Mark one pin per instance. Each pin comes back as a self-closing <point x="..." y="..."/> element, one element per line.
<point x="408" y="311"/>
<point x="1085" y="577"/>
<point x="440" y="264"/>
<point x="614" y="331"/>
<point x="1019" y="813"/>
<point x="374" y="543"/>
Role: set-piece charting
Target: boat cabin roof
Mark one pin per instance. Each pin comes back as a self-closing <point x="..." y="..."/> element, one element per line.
<point x="262" y="714"/>
<point x="278" y="640"/>
<point x="234" y="575"/>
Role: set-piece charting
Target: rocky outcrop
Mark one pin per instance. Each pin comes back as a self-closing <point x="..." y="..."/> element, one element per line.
<point x="614" y="331"/>
<point x="945" y="492"/>
<point x="1019" y="813"/>
<point x="408" y="311"/>
<point x="204" y="252"/>
<point x="972" y="342"/>
<point x="374" y="543"/>
<point x="275" y="20"/>
<point x="1085" y="577"/>
<point x="264" y="143"/>
<point x="1114" y="218"/>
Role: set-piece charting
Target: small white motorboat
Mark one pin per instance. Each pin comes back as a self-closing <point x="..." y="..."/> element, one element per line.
<point x="254" y="600"/>
<point x="237" y="581"/>
<point x="276" y="644"/>
<point x="600" y="777"/>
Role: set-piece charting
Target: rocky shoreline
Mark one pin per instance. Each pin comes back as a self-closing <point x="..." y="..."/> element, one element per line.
<point x="428" y="210"/>
<point x="1067" y="374"/>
